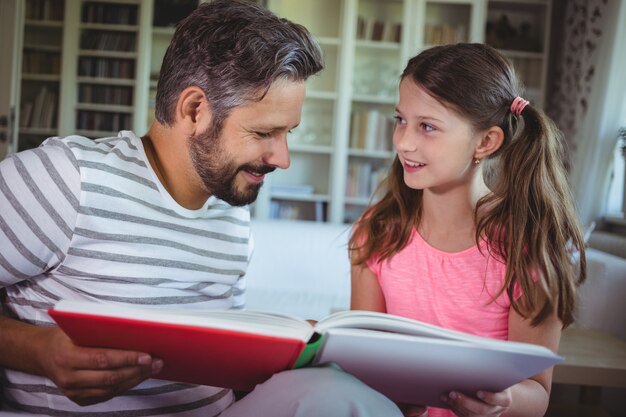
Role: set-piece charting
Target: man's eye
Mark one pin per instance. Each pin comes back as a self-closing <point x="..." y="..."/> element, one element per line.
<point x="264" y="135"/>
<point x="399" y="120"/>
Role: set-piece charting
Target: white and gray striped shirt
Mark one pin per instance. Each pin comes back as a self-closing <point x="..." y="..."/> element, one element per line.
<point x="89" y="220"/>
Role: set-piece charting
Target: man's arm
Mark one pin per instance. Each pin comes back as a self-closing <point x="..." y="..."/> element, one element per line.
<point x="39" y="194"/>
<point x="84" y="375"/>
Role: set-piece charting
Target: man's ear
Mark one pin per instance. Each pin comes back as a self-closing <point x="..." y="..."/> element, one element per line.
<point x="192" y="110"/>
<point x="490" y="141"/>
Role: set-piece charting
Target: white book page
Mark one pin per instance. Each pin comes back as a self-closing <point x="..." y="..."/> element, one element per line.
<point x="357" y="319"/>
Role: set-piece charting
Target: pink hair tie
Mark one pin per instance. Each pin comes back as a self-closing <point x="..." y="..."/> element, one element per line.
<point x="518" y="105"/>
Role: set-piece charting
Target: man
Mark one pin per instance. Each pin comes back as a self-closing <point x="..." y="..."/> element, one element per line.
<point x="159" y="221"/>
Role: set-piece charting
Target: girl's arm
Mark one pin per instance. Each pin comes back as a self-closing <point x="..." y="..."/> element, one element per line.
<point x="366" y="293"/>
<point x="528" y="398"/>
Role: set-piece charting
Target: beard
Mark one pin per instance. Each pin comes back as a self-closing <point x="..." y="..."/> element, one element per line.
<point x="218" y="171"/>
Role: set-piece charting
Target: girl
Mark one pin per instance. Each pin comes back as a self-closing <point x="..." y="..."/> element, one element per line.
<point x="476" y="229"/>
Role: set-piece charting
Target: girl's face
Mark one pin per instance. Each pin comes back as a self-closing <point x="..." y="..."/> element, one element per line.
<point x="435" y="145"/>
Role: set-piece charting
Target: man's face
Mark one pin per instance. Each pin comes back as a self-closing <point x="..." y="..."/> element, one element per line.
<point x="252" y="143"/>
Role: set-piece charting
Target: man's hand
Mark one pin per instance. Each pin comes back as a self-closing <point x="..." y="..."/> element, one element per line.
<point x="91" y="375"/>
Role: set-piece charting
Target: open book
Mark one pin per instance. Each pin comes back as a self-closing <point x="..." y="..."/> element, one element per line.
<point x="407" y="360"/>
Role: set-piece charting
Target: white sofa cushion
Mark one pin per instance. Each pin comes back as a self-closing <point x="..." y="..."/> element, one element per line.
<point x="299" y="268"/>
<point x="602" y="298"/>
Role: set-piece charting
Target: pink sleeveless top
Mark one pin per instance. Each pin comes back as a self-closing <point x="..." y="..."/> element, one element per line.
<point x="451" y="290"/>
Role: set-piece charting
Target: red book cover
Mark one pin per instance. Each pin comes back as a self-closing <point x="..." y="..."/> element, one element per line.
<point x="193" y="354"/>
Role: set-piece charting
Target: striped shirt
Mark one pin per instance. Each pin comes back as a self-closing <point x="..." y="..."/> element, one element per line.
<point x="89" y="220"/>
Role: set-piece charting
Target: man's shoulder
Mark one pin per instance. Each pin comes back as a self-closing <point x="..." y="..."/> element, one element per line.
<point x="78" y="144"/>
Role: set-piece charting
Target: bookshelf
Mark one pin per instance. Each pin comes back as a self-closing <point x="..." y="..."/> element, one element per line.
<point x="107" y="67"/>
<point x="307" y="189"/>
<point x="382" y="42"/>
<point x="96" y="63"/>
<point x="520" y="30"/>
<point x="40" y="71"/>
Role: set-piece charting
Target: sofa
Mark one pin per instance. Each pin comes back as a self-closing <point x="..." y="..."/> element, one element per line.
<point x="302" y="268"/>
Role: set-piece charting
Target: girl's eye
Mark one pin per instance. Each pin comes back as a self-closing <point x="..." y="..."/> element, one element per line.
<point x="428" y="128"/>
<point x="399" y="120"/>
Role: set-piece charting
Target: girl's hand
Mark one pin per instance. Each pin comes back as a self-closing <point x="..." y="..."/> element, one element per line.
<point x="488" y="404"/>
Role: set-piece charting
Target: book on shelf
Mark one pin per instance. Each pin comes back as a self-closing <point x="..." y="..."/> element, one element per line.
<point x="378" y="30"/>
<point x="364" y="178"/>
<point x="284" y="211"/>
<point x="371" y="130"/>
<point x="41" y="111"/>
<point x="407" y="360"/>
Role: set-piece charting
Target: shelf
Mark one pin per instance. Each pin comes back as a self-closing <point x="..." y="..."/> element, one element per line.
<point x="57" y="24"/>
<point x="366" y="98"/>
<point x="98" y="53"/>
<point x="118" y="2"/>
<point x="313" y="198"/>
<point x="111" y="27"/>
<point x="392" y="46"/>
<point x="40" y="131"/>
<point x="163" y="31"/>
<point x="358" y="201"/>
<point x="104" y="108"/>
<point x="95" y="133"/>
<point x="372" y="154"/>
<point x="52" y="78"/>
<point x="320" y="95"/>
<point x="43" y="48"/>
<point x="106" y="81"/>
<point x="328" y="41"/>
<point x="304" y="148"/>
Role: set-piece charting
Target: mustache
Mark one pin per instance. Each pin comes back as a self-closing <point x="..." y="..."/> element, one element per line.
<point x="261" y="169"/>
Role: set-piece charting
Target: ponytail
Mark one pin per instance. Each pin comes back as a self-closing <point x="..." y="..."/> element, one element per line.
<point x="530" y="221"/>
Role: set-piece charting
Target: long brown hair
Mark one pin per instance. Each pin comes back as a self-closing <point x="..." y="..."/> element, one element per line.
<point x="528" y="219"/>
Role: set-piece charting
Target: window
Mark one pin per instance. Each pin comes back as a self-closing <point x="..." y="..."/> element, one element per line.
<point x="616" y="198"/>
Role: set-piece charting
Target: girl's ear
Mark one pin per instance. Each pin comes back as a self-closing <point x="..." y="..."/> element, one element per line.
<point x="192" y="110"/>
<point x="490" y="141"/>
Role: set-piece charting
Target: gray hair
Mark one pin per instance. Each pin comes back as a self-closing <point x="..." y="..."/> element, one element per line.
<point x="233" y="50"/>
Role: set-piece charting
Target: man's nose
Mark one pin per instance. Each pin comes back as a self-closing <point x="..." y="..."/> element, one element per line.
<point x="278" y="155"/>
